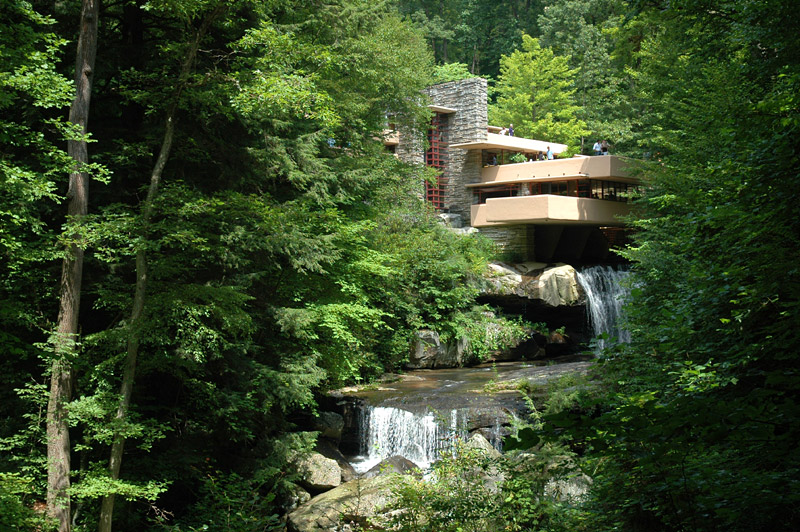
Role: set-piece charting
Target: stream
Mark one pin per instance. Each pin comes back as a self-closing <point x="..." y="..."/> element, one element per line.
<point x="425" y="412"/>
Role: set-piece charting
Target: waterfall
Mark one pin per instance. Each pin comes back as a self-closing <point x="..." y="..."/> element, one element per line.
<point x="421" y="438"/>
<point x="605" y="295"/>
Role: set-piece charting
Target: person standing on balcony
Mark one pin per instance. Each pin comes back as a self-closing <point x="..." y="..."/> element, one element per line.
<point x="598" y="148"/>
<point x="510" y="130"/>
<point x="549" y="154"/>
<point x="604" y="147"/>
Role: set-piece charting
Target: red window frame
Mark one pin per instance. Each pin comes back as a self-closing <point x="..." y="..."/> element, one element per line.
<point x="434" y="157"/>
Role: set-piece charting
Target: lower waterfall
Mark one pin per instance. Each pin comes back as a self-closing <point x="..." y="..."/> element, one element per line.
<point x="427" y="413"/>
<point x="605" y="296"/>
<point x="421" y="438"/>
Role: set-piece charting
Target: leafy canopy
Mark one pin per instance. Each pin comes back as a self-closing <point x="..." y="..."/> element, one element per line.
<point x="536" y="92"/>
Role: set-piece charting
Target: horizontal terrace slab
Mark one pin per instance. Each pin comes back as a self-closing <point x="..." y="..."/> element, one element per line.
<point x="548" y="209"/>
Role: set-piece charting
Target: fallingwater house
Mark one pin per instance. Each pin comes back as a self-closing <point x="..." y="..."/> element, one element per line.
<point x="565" y="210"/>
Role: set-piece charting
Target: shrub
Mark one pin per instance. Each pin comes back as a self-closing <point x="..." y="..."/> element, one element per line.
<point x="16" y="512"/>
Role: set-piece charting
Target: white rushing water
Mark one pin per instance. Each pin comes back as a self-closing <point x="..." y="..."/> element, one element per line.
<point x="421" y="438"/>
<point x="605" y="296"/>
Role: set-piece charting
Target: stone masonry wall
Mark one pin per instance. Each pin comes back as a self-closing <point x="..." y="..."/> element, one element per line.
<point x="411" y="148"/>
<point x="515" y="240"/>
<point x="468" y="124"/>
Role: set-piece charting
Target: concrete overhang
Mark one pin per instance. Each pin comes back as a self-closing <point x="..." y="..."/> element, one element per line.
<point x="443" y="110"/>
<point x="547" y="209"/>
<point x="609" y="167"/>
<point x="504" y="142"/>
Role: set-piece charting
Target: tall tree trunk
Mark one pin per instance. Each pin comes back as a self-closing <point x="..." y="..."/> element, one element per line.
<point x="134" y="333"/>
<point x="584" y="83"/>
<point x="58" y="444"/>
<point x="444" y="39"/>
<point x="137" y="311"/>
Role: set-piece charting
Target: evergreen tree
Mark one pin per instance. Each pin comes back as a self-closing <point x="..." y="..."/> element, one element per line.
<point x="536" y="92"/>
<point x="594" y="36"/>
<point x="475" y="33"/>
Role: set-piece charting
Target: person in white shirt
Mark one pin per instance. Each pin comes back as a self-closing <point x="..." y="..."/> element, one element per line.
<point x="598" y="148"/>
<point x="549" y="154"/>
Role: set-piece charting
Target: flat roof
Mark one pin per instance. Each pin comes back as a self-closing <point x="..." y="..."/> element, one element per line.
<point x="505" y="142"/>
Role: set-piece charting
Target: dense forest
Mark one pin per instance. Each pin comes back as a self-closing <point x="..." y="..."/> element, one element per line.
<point x="201" y="232"/>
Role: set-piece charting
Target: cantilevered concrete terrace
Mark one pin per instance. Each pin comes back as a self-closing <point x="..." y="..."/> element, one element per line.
<point x="576" y="191"/>
<point x="503" y="143"/>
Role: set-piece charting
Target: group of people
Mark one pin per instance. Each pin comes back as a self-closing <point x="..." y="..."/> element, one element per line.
<point x="545" y="156"/>
<point x="508" y="131"/>
<point x="541" y="156"/>
<point x="600" y="147"/>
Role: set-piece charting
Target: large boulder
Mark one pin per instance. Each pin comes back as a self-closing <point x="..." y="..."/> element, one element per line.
<point x="360" y="500"/>
<point x="329" y="425"/>
<point x="428" y="351"/>
<point x="502" y="279"/>
<point x="424" y="350"/>
<point x="478" y="442"/>
<point x="554" y="285"/>
<point x="453" y="355"/>
<point x="328" y="449"/>
<point x="572" y="489"/>
<point x="393" y="464"/>
<point x="495" y="432"/>
<point x="318" y="473"/>
<point x="491" y="477"/>
<point x="297" y="497"/>
<point x="451" y="220"/>
<point x="558" y="286"/>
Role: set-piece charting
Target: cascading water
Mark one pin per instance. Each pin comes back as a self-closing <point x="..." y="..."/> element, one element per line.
<point x="421" y="438"/>
<point x="427" y="412"/>
<point x="605" y="296"/>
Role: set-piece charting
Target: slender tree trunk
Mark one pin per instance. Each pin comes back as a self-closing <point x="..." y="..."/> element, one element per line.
<point x="444" y="39"/>
<point x="583" y="95"/>
<point x="58" y="444"/>
<point x="134" y="334"/>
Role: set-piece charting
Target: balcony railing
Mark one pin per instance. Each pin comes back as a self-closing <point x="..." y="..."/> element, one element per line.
<point x="594" y="167"/>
